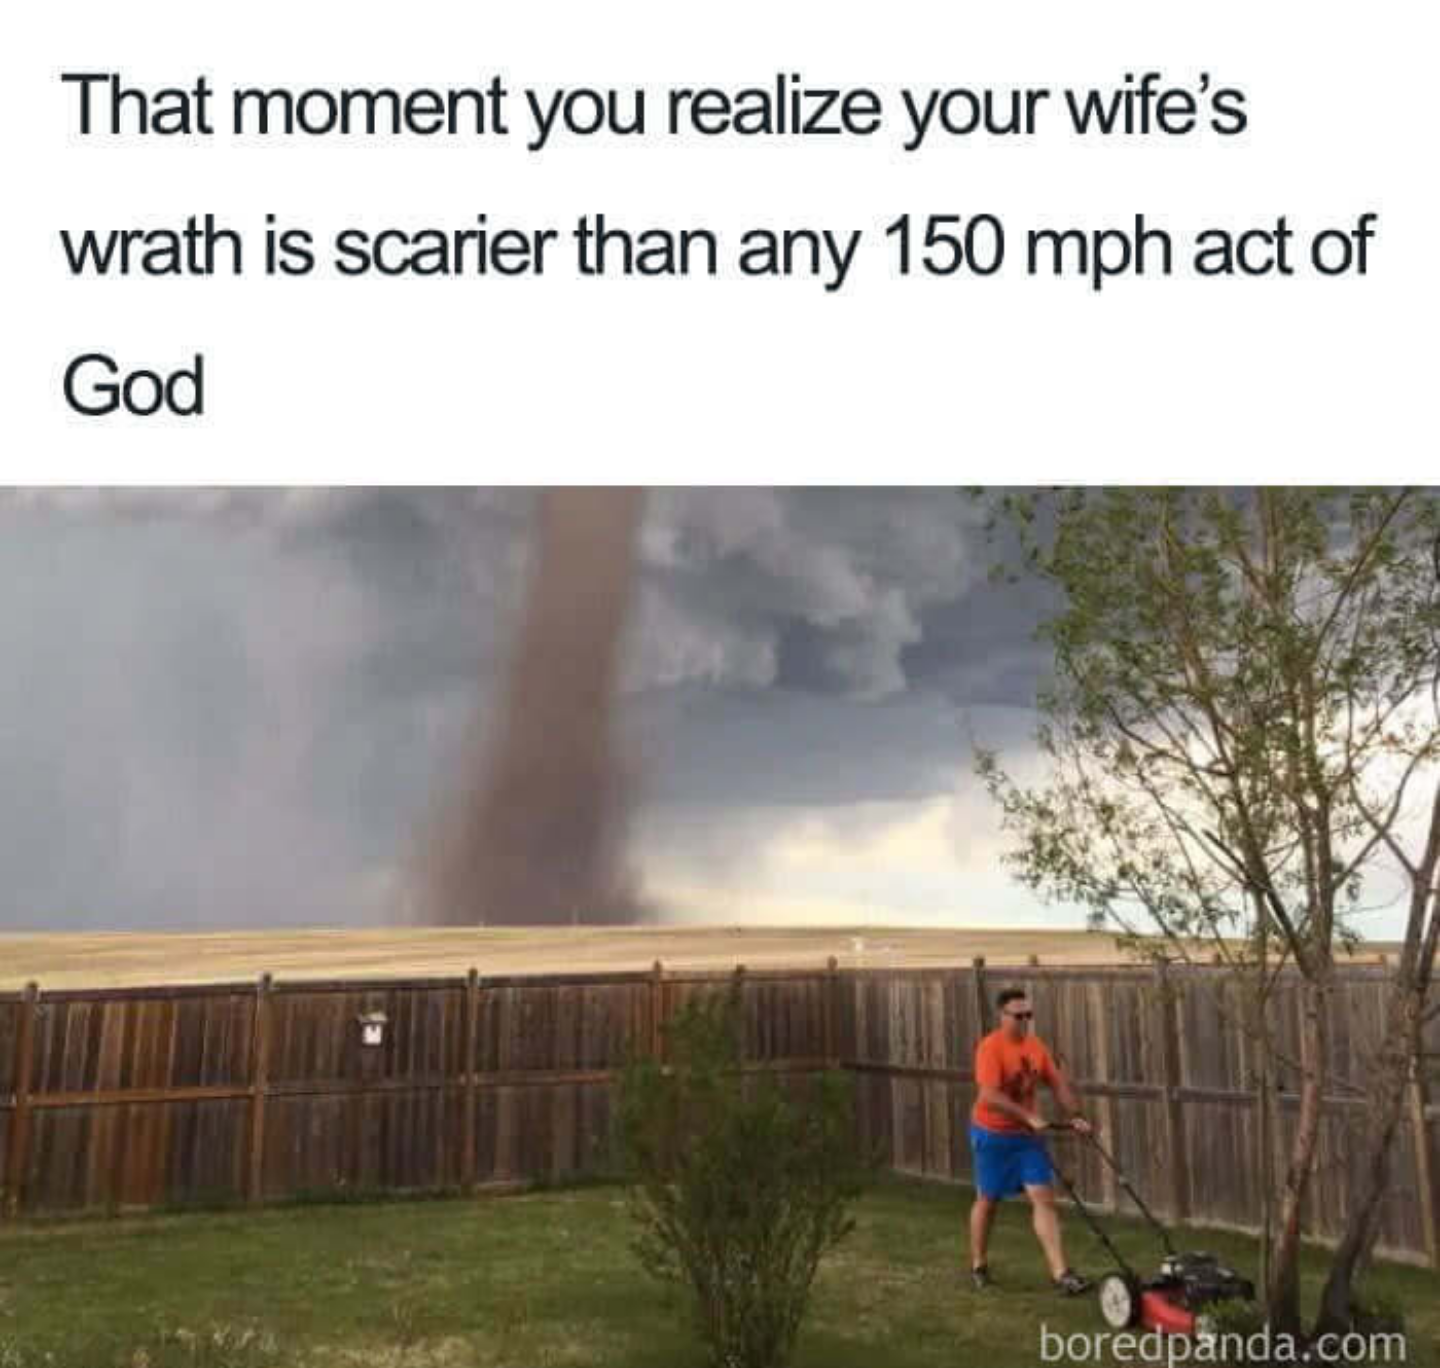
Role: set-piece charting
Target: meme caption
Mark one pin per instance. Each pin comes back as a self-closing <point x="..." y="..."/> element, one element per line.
<point x="937" y="243"/>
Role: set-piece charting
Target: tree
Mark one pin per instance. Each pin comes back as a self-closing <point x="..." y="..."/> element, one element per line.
<point x="1245" y="704"/>
<point x="738" y="1189"/>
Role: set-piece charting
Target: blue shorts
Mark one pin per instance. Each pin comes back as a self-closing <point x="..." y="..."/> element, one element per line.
<point x="1007" y="1164"/>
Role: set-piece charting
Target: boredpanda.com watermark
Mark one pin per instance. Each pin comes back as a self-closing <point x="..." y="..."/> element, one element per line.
<point x="1263" y="1346"/>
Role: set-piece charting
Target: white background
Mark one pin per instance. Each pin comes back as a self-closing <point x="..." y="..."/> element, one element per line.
<point x="482" y="381"/>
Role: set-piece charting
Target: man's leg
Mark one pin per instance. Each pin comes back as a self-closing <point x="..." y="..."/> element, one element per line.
<point x="981" y="1216"/>
<point x="1047" y="1226"/>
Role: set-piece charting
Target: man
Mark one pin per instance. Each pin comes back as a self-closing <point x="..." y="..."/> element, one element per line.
<point x="1004" y="1137"/>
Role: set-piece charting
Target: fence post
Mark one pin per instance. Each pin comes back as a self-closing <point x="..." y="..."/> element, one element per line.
<point x="1425" y="1192"/>
<point x="469" y="1156"/>
<point x="657" y="1005"/>
<point x="259" y="1086"/>
<point x="982" y="994"/>
<point x="832" y="1006"/>
<point x="1178" y="1168"/>
<point x="18" y="1149"/>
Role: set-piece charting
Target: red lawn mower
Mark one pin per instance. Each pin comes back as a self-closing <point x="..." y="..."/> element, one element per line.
<point x="1173" y="1300"/>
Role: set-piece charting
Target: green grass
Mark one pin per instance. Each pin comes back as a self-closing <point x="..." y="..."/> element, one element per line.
<point x="540" y="1279"/>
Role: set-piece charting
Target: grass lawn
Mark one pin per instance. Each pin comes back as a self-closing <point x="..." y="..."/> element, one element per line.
<point x="536" y="1280"/>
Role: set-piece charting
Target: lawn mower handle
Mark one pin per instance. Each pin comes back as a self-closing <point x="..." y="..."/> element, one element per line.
<point x="1085" y="1213"/>
<point x="1066" y="1127"/>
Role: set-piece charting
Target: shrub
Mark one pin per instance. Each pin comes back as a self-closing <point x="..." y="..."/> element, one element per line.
<point x="738" y="1189"/>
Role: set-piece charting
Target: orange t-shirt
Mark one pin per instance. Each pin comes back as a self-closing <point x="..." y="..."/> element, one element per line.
<point x="1015" y="1067"/>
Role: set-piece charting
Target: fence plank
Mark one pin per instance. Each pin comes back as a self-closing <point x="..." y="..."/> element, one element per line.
<point x="1427" y="1199"/>
<point x="832" y="1011"/>
<point x="1099" y="1025"/>
<point x="259" y="1085"/>
<point x="982" y="994"/>
<point x="17" y="1148"/>
<point x="469" y="1172"/>
<point x="657" y="1009"/>
<point x="1177" y="1159"/>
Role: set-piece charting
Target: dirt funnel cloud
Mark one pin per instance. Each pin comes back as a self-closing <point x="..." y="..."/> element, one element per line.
<point x="537" y="836"/>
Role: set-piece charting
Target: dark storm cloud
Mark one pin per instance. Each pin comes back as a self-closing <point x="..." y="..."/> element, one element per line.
<point x="980" y="649"/>
<point x="723" y="747"/>
<point x="226" y="707"/>
<point x="820" y="589"/>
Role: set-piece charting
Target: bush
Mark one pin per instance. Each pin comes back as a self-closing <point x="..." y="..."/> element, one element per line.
<point x="738" y="1189"/>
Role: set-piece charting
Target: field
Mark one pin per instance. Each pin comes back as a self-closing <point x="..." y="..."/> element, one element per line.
<point x="141" y="958"/>
<point x="541" y="1279"/>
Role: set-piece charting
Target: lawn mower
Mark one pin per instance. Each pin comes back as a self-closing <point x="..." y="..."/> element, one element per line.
<point x="1173" y="1300"/>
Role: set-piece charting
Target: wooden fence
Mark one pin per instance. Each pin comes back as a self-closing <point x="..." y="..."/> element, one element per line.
<point x="145" y="1097"/>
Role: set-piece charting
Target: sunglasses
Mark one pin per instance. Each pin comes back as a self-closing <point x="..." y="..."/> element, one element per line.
<point x="1020" y="1016"/>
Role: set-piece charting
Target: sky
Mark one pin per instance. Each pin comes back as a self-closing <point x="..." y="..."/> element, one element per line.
<point x="245" y="708"/>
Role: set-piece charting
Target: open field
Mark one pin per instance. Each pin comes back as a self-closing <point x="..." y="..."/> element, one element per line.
<point x="546" y="1278"/>
<point x="122" y="959"/>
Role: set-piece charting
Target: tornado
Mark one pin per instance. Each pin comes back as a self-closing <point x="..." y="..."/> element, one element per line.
<point x="537" y="836"/>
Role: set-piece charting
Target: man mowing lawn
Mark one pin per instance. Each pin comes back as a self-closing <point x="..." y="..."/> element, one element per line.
<point x="1010" y="1156"/>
